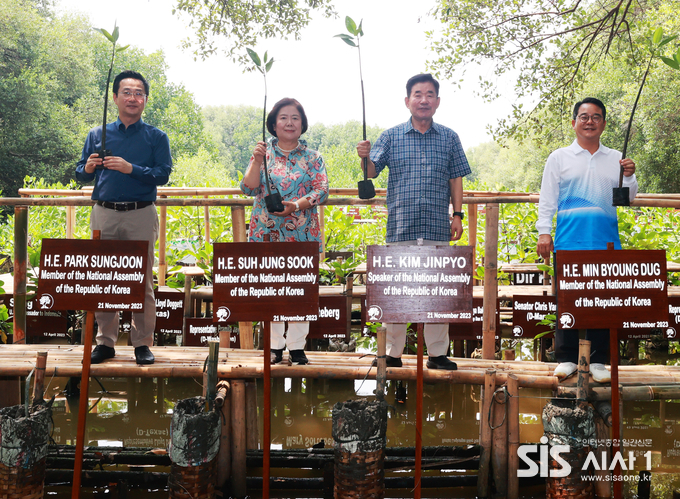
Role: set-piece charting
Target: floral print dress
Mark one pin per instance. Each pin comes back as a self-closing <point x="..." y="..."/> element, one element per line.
<point x="300" y="175"/>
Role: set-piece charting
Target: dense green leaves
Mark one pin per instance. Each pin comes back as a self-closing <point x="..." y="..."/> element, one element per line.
<point x="233" y="25"/>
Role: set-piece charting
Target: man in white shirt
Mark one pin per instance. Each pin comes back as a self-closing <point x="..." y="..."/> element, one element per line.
<point x="578" y="182"/>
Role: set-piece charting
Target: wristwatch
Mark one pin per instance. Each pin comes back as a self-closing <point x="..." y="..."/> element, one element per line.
<point x="459" y="214"/>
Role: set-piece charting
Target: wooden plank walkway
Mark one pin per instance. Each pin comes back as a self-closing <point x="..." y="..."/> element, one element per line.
<point x="65" y="361"/>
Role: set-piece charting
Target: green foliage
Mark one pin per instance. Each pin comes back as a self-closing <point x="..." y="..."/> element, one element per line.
<point x="243" y="23"/>
<point x="235" y="130"/>
<point x="343" y="234"/>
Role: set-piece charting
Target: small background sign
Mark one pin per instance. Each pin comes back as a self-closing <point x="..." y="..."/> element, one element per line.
<point x="88" y="274"/>
<point x="169" y="312"/>
<point x="624" y="289"/>
<point x="528" y="311"/>
<point x="265" y="281"/>
<point x="474" y="331"/>
<point x="332" y="318"/>
<point x="40" y="324"/>
<point x="427" y="284"/>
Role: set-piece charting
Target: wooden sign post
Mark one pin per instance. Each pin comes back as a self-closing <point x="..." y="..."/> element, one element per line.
<point x="91" y="275"/>
<point x="624" y="289"/>
<point x="424" y="284"/>
<point x="266" y="282"/>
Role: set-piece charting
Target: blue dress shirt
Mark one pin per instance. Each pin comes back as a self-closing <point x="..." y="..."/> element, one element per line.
<point x="148" y="150"/>
<point x="418" y="191"/>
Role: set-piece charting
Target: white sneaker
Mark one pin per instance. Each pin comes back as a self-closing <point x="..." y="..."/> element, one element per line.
<point x="565" y="369"/>
<point x="600" y="374"/>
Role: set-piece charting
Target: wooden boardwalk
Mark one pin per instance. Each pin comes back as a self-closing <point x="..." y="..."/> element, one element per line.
<point x="183" y="362"/>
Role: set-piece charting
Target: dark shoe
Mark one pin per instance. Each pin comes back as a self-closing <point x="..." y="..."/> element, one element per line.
<point x="101" y="353"/>
<point x="276" y="355"/>
<point x="143" y="355"/>
<point x="393" y="361"/>
<point x="297" y="357"/>
<point x="441" y="362"/>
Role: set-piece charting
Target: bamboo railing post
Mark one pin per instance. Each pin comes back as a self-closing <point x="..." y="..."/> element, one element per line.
<point x="238" y="438"/>
<point x="490" y="283"/>
<point x="20" y="265"/>
<point x="322" y="228"/>
<point x="583" y="372"/>
<point x="70" y="221"/>
<point x="472" y="232"/>
<point x="39" y="383"/>
<point x="206" y="220"/>
<point x="188" y="307"/>
<point x="162" y="242"/>
<point x="513" y="436"/>
<point x="211" y="371"/>
<point x="253" y="433"/>
<point x="485" y="433"/>
<point x="419" y="411"/>
<point x="238" y="227"/>
<point x="499" y="452"/>
<point x="223" y="404"/>
<point x="382" y="363"/>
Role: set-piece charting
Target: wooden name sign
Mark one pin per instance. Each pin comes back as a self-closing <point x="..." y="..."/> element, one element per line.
<point x="474" y="331"/>
<point x="199" y="332"/>
<point x="528" y="311"/>
<point x="169" y="312"/>
<point x="40" y="324"/>
<point x="266" y="281"/>
<point x="419" y="284"/>
<point x="332" y="318"/>
<point x="87" y="274"/>
<point x="624" y="289"/>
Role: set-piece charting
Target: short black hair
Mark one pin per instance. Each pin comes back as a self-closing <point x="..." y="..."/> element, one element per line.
<point x="130" y="74"/>
<point x="590" y="100"/>
<point x="274" y="113"/>
<point x="421" y="78"/>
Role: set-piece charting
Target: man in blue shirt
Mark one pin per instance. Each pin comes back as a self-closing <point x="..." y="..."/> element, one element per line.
<point x="125" y="191"/>
<point x="427" y="165"/>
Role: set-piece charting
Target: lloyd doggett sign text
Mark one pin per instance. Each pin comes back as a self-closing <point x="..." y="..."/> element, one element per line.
<point x="266" y="281"/>
<point x="611" y="289"/>
<point x="86" y="274"/>
<point x="419" y="284"/>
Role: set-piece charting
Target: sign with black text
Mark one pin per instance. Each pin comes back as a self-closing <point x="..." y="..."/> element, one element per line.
<point x="624" y="289"/>
<point x="88" y="274"/>
<point x="266" y="281"/>
<point x="419" y="284"/>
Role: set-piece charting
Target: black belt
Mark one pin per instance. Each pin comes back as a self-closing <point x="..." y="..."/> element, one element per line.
<point x="135" y="205"/>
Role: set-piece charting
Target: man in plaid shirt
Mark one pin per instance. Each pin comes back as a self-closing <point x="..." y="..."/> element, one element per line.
<point x="427" y="165"/>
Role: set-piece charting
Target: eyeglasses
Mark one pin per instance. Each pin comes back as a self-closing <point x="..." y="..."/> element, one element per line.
<point x="585" y="118"/>
<point x="136" y="95"/>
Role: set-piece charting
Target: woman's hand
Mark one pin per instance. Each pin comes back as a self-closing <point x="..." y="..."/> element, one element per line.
<point x="259" y="153"/>
<point x="288" y="208"/>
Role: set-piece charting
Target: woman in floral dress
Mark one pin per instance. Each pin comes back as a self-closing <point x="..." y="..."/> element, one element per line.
<point x="299" y="174"/>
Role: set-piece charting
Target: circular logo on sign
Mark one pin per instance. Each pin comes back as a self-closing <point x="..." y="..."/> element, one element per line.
<point x="222" y="314"/>
<point x="441" y="425"/>
<point x="375" y="313"/>
<point x="46" y="302"/>
<point x="567" y="321"/>
<point x="671" y="333"/>
<point x="288" y="421"/>
<point x="517" y="331"/>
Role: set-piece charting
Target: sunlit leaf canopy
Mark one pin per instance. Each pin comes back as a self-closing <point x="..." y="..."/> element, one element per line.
<point x="544" y="51"/>
<point x="229" y="26"/>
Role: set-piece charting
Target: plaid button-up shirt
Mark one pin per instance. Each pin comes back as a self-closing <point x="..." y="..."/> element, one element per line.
<point x="418" y="192"/>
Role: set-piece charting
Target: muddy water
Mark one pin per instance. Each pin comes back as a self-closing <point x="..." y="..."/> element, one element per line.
<point x="137" y="412"/>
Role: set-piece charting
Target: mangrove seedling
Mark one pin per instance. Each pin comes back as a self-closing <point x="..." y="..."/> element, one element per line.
<point x="366" y="189"/>
<point x="273" y="202"/>
<point x="621" y="195"/>
<point x="113" y="38"/>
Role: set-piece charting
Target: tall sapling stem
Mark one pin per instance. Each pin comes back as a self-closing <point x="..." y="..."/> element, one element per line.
<point x="113" y="38"/>
<point x="366" y="189"/>
<point x="621" y="195"/>
<point x="273" y="202"/>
